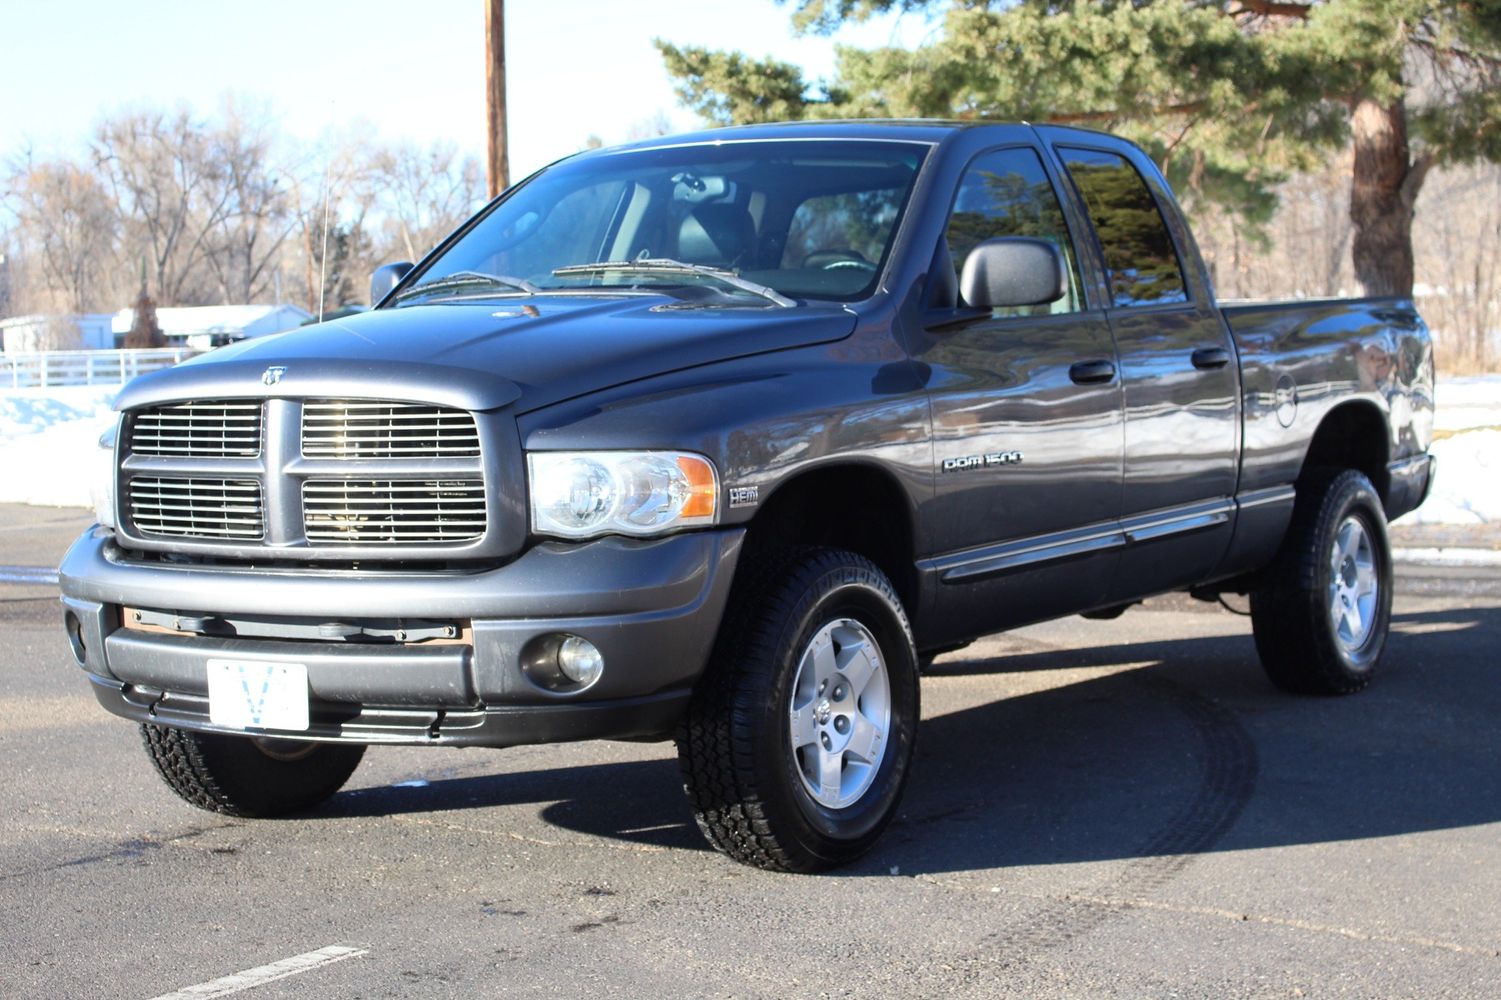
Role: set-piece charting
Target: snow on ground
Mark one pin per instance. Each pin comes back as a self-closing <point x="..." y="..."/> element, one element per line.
<point x="1468" y="487"/>
<point x="48" y="439"/>
<point x="48" y="442"/>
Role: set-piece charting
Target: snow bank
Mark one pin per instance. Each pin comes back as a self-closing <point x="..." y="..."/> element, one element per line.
<point x="1468" y="487"/>
<point x="47" y="438"/>
<point x="1467" y="403"/>
<point x="33" y="411"/>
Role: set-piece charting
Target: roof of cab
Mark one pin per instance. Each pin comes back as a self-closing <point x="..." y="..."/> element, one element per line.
<point x="915" y="130"/>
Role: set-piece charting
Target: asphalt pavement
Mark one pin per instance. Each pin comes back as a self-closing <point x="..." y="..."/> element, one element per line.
<point x="1097" y="809"/>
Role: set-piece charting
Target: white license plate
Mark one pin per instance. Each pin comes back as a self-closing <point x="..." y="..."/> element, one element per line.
<point x="257" y="694"/>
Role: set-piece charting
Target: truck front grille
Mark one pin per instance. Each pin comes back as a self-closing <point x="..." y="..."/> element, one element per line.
<point x="359" y="429"/>
<point x="197" y="507"/>
<point x="321" y="480"/>
<point x="356" y="511"/>
<point x="204" y="429"/>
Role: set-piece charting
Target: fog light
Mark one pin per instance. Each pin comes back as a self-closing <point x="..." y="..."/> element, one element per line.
<point x="580" y="661"/>
<point x="75" y="637"/>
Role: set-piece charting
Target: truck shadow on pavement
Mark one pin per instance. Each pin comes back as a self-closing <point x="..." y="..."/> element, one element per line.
<point x="1182" y="747"/>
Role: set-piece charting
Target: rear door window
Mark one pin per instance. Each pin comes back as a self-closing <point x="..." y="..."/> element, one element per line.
<point x="1140" y="259"/>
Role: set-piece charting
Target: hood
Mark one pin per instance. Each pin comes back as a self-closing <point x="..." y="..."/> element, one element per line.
<point x="530" y="351"/>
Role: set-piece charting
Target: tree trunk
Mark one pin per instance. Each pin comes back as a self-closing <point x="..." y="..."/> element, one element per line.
<point x="1386" y="185"/>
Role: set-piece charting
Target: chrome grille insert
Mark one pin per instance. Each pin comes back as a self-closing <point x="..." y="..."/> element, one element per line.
<point x="227" y="428"/>
<point x="197" y="507"/>
<point x="350" y="511"/>
<point x="354" y="429"/>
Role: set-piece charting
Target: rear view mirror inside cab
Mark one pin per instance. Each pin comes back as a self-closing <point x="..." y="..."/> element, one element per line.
<point x="695" y="189"/>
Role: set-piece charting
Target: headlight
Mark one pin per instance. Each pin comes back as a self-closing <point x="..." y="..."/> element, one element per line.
<point x="579" y="494"/>
<point x="102" y="482"/>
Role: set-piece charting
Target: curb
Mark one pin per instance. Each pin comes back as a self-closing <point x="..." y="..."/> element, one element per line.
<point x="1446" y="557"/>
<point x="39" y="575"/>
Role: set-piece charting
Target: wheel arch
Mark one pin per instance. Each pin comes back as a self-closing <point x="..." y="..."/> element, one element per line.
<point x="1353" y="435"/>
<point x="813" y="508"/>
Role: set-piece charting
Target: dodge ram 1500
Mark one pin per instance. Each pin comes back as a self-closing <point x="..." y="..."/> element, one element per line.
<point x="720" y="438"/>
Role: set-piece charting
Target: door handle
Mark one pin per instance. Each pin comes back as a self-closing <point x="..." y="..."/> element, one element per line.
<point x="1091" y="372"/>
<point x="1211" y="357"/>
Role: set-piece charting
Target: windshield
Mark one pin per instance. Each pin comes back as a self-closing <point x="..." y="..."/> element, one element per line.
<point x="793" y="218"/>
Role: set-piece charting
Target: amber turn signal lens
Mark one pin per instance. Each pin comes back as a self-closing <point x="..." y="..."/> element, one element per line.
<point x="703" y="491"/>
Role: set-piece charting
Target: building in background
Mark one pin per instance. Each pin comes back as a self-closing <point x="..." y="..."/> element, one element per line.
<point x="70" y="332"/>
<point x="203" y="327"/>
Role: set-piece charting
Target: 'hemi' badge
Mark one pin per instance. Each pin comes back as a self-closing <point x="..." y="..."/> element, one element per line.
<point x="744" y="496"/>
<point x="273" y="374"/>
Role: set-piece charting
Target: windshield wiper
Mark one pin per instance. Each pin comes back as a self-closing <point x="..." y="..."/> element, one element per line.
<point x="666" y="265"/>
<point x="461" y="279"/>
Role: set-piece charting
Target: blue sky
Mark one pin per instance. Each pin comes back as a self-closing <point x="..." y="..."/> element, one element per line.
<point x="575" y="68"/>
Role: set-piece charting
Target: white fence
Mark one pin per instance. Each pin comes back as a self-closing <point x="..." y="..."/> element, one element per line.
<point x="47" y="368"/>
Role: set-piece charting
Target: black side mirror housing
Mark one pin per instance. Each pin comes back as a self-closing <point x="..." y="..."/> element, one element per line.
<point x="1013" y="271"/>
<point x="387" y="277"/>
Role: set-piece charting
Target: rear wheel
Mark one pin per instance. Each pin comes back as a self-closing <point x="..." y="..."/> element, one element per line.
<point x="799" y="738"/>
<point x="1322" y="612"/>
<point x="250" y="776"/>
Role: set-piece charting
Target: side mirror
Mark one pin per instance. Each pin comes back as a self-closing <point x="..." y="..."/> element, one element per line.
<point x="387" y="277"/>
<point x="1013" y="271"/>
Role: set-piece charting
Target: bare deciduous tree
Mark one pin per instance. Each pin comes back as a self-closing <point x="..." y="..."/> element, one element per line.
<point x="67" y="222"/>
<point x="256" y="211"/>
<point x="425" y="193"/>
<point x="171" y="192"/>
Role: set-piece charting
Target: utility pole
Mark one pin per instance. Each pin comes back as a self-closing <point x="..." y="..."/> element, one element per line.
<point x="499" y="168"/>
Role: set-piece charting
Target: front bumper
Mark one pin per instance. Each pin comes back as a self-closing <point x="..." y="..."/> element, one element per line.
<point x="651" y="607"/>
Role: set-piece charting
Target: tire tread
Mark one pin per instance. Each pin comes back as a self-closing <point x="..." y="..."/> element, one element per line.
<point x="229" y="775"/>
<point x="717" y="750"/>
<point x="1288" y="614"/>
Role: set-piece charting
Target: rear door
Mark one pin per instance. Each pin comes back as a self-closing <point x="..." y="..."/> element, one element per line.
<point x="1178" y="368"/>
<point x="1026" y="420"/>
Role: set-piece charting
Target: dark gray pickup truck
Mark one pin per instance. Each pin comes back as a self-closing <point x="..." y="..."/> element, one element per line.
<point x="721" y="438"/>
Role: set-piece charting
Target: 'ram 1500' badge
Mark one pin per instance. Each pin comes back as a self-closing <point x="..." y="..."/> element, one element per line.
<point x="981" y="461"/>
<point x="273" y="374"/>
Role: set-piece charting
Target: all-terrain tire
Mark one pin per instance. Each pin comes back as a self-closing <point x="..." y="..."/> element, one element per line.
<point x="248" y="776"/>
<point x="782" y="750"/>
<point x="1321" y="612"/>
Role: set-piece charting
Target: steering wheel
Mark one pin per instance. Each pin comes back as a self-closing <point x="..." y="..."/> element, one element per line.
<point x="836" y="259"/>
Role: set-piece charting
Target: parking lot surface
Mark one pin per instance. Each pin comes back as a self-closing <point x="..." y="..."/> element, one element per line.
<point x="1098" y="809"/>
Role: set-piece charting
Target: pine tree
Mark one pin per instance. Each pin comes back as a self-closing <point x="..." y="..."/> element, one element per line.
<point x="1229" y="96"/>
<point x="145" y="332"/>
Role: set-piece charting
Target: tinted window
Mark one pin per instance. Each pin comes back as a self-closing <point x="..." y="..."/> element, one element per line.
<point x="837" y="230"/>
<point x="1139" y="255"/>
<point x="1007" y="193"/>
<point x="573" y="231"/>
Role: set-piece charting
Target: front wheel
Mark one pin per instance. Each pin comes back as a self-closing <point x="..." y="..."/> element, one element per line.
<point x="249" y="776"/>
<point x="799" y="738"/>
<point x="1321" y="614"/>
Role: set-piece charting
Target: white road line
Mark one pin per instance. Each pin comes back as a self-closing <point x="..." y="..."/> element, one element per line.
<point x="266" y="973"/>
<point x="28" y="574"/>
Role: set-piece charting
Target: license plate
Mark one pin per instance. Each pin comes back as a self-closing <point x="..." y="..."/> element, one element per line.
<point x="257" y="694"/>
